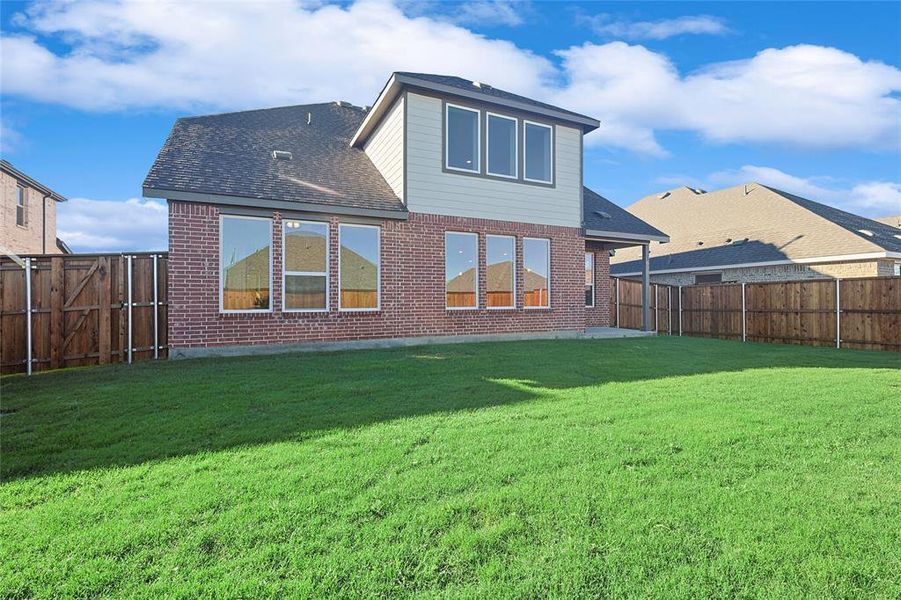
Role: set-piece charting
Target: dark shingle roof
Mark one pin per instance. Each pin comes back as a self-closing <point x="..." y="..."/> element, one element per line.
<point x="883" y="234"/>
<point x="599" y="214"/>
<point x="730" y="254"/>
<point x="486" y="90"/>
<point x="231" y="154"/>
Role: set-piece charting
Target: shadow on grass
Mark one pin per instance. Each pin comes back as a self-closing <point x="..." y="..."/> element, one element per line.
<point x="119" y="415"/>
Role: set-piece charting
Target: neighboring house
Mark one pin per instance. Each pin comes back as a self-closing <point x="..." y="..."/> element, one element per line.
<point x="893" y="221"/>
<point x="28" y="214"/>
<point x="448" y="208"/>
<point x="752" y="232"/>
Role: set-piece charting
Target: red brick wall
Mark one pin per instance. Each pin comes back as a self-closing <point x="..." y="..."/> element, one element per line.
<point x="412" y="301"/>
<point x="599" y="316"/>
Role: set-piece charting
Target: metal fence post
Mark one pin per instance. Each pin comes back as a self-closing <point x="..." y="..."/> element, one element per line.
<point x="28" y="315"/>
<point x="130" y="304"/>
<point x="156" y="309"/>
<point x="744" y="313"/>
<point x="680" y="311"/>
<point x="838" y="313"/>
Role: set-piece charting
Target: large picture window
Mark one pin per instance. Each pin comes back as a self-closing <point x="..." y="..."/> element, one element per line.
<point x="538" y="146"/>
<point x="463" y="139"/>
<point x="502" y="151"/>
<point x="589" y="279"/>
<point x="305" y="263"/>
<point x="461" y="270"/>
<point x="500" y="271"/>
<point x="359" y="274"/>
<point x="536" y="262"/>
<point x="246" y="264"/>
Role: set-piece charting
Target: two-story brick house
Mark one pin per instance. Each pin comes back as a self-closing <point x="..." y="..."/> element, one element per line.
<point x="27" y="214"/>
<point x="447" y="208"/>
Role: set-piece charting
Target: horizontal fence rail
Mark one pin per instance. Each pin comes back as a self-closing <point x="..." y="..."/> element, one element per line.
<point x="82" y="309"/>
<point x="860" y="313"/>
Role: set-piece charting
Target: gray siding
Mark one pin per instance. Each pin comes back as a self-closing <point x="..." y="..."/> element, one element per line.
<point x="431" y="190"/>
<point x="385" y="148"/>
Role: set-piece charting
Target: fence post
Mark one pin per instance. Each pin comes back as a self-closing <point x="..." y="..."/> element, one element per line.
<point x="617" y="301"/>
<point x="156" y="309"/>
<point x="130" y="303"/>
<point x="28" y="341"/>
<point x="838" y="313"/>
<point x="744" y="313"/>
<point x="669" y="310"/>
<point x="680" y="311"/>
<point x="656" y="307"/>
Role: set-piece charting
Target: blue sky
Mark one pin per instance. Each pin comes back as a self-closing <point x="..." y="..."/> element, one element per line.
<point x="804" y="96"/>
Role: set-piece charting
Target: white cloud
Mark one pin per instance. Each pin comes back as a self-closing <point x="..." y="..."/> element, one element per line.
<point x="489" y="12"/>
<point x="229" y="56"/>
<point x="607" y="25"/>
<point x="866" y="198"/>
<point x="110" y="226"/>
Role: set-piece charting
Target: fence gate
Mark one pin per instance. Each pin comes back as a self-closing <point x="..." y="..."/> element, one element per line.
<point x="82" y="309"/>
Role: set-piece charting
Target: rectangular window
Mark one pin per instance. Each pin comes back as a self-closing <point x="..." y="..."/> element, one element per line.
<point x="359" y="270"/>
<point x="502" y="150"/>
<point x="500" y="271"/>
<point x="461" y="269"/>
<point x="305" y="252"/>
<point x="536" y="262"/>
<point x="463" y="139"/>
<point x="709" y="278"/>
<point x="589" y="279"/>
<point x="21" y="208"/>
<point x="246" y="264"/>
<point x="537" y="152"/>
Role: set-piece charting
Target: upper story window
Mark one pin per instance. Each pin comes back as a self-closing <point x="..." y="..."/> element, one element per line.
<point x="538" y="145"/>
<point x="21" y="208"/>
<point x="463" y="139"/>
<point x="246" y="264"/>
<point x="502" y="145"/>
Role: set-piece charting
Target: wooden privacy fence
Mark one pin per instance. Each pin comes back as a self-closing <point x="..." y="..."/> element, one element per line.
<point x="845" y="313"/>
<point x="82" y="309"/>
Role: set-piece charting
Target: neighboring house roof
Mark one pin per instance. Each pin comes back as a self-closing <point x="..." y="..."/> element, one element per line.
<point x="449" y="84"/>
<point x="600" y="216"/>
<point x="893" y="221"/>
<point x="32" y="183"/>
<point x="751" y="224"/>
<point x="231" y="156"/>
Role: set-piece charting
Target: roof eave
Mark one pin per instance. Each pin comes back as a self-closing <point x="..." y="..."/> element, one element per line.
<point x="619" y="236"/>
<point x="31" y="182"/>
<point x="397" y="81"/>
<point x="274" y="204"/>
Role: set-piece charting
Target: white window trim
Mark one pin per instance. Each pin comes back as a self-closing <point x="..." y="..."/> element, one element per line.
<point x="286" y="272"/>
<point x="513" y="239"/>
<point x="251" y="311"/>
<point x="478" y="160"/>
<point x="593" y="301"/>
<point x="525" y="152"/>
<point x="549" y="274"/>
<point x="476" y="236"/>
<point x="378" y="272"/>
<point x="488" y="116"/>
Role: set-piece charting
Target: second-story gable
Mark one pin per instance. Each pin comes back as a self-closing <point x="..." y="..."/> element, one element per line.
<point x="450" y="146"/>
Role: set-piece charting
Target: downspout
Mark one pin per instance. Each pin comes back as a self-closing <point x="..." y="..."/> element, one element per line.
<point x="44" y="224"/>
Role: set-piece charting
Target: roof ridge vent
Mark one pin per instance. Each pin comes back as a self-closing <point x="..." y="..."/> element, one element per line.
<point x="343" y="103"/>
<point x="663" y="195"/>
<point x="481" y="85"/>
<point x="282" y="155"/>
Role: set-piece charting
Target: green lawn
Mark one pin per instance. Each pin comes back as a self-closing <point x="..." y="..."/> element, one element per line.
<point x="646" y="466"/>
